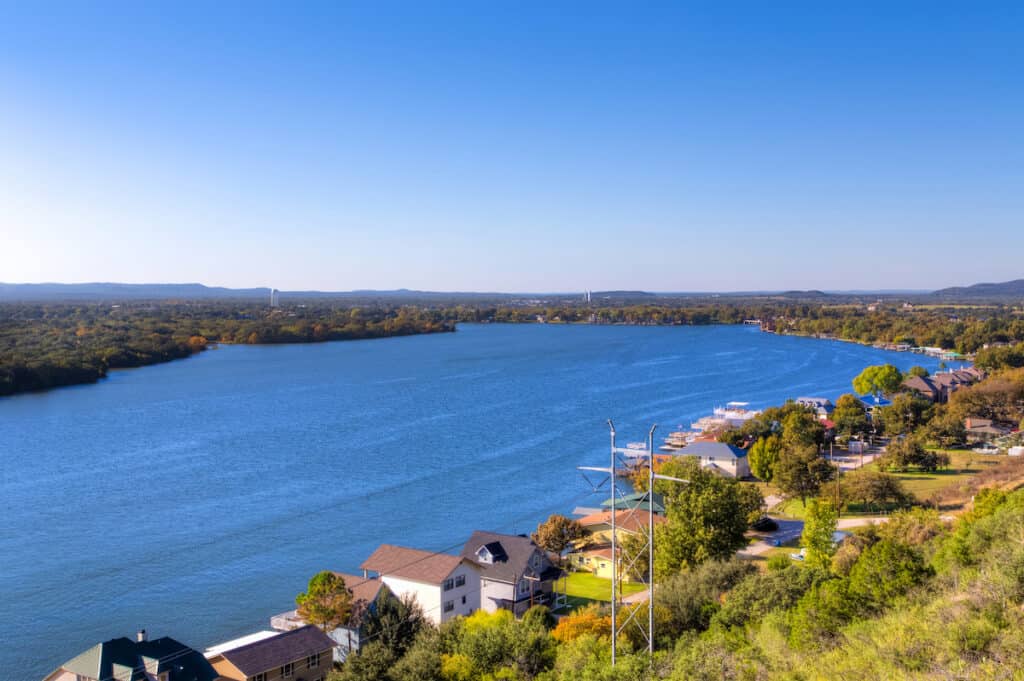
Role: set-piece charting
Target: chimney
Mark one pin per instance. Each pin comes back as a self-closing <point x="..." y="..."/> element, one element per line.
<point x="141" y="636"/>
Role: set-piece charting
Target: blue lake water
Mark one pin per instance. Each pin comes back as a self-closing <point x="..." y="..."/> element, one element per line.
<point x="194" y="499"/>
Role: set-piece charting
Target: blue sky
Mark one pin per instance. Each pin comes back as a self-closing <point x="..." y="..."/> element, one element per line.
<point x="513" y="146"/>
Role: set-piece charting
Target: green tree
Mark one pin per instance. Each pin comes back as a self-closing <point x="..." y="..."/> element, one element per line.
<point x="801" y="428"/>
<point x="850" y="417"/>
<point x="904" y="452"/>
<point x="373" y="663"/>
<point x="884" y="571"/>
<point x="878" y="380"/>
<point x="558" y="532"/>
<point x="874" y="489"/>
<point x="395" y="622"/>
<point x="819" y="525"/>
<point x="905" y="414"/>
<point x="917" y="371"/>
<point x="706" y="519"/>
<point x="327" y="602"/>
<point x="801" y="472"/>
<point x="763" y="455"/>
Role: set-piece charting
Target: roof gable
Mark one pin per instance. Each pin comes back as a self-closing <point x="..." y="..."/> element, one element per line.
<point x="127" y="660"/>
<point x="513" y="556"/>
<point x="419" y="566"/>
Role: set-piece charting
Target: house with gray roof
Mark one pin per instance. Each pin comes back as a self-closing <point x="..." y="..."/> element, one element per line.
<point x="515" y="573"/>
<point x="822" y="406"/>
<point x="718" y="456"/>
<point x="122" y="659"/>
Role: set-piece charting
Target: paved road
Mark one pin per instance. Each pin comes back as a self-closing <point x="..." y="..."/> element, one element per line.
<point x="792" y="529"/>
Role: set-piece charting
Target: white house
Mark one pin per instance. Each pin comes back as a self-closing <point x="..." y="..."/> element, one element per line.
<point x="718" y="456"/>
<point x="445" y="586"/>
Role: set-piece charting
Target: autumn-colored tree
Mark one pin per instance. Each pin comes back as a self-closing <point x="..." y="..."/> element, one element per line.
<point x="588" y="620"/>
<point x="558" y="532"/>
<point x="327" y="602"/>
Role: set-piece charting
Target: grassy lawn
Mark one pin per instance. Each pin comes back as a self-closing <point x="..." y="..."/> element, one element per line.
<point x="585" y="587"/>
<point x="963" y="465"/>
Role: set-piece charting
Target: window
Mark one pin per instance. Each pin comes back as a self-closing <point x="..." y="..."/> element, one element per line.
<point x="523" y="587"/>
<point x="262" y="676"/>
<point x="449" y="606"/>
<point x="449" y="584"/>
<point x="463" y="600"/>
<point x="313" y="661"/>
<point x="288" y="670"/>
<point x="460" y="580"/>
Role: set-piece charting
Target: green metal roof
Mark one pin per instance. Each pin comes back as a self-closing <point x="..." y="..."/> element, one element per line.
<point x="635" y="501"/>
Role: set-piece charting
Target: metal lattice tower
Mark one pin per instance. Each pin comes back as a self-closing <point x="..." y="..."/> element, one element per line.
<point x="615" y="467"/>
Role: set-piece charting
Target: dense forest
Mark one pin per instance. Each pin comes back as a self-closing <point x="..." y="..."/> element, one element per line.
<point x="49" y="345"/>
<point x="45" y="346"/>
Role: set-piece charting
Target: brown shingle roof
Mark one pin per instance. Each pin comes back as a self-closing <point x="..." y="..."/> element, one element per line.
<point x="271" y="653"/>
<point x="630" y="521"/>
<point x="362" y="588"/>
<point x="419" y="566"/>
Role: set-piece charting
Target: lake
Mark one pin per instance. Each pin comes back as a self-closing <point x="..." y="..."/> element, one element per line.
<point x="196" y="498"/>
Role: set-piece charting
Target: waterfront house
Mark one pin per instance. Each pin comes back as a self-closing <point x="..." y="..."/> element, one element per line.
<point x="924" y="386"/>
<point x="593" y="553"/>
<point x="515" y="573"/>
<point x="162" y="659"/>
<point x="303" y="654"/>
<point x="720" y="457"/>
<point x="445" y="586"/>
<point x="637" y="501"/>
<point x="822" y="406"/>
<point x="939" y="386"/>
<point x="367" y="594"/>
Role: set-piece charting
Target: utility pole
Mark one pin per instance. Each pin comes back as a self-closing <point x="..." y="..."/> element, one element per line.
<point x="613" y="471"/>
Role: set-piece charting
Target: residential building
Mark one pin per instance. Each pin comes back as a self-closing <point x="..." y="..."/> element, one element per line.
<point x="515" y="573"/>
<point x="367" y="593"/>
<point x="593" y="554"/>
<point x="822" y="406"/>
<point x="982" y="430"/>
<point x="445" y="586"/>
<point x="939" y="386"/>
<point x="303" y="654"/>
<point x="720" y="457"/>
<point x="637" y="501"/>
<point x="122" y="659"/>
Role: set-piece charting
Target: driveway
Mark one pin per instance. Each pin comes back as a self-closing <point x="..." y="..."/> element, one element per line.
<point x="788" y="531"/>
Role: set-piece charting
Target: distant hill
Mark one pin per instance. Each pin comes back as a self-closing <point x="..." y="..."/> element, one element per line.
<point x="1000" y="291"/>
<point x="105" y="291"/>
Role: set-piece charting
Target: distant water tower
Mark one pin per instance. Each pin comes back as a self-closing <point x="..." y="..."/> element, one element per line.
<point x="275" y="297"/>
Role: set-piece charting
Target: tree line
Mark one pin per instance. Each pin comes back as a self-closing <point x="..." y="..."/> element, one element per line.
<point x="47" y="346"/>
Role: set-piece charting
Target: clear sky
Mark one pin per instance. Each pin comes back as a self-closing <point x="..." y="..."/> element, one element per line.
<point x="513" y="146"/>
